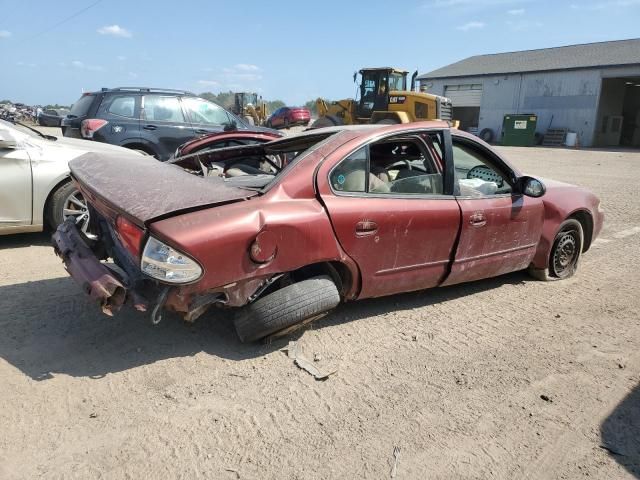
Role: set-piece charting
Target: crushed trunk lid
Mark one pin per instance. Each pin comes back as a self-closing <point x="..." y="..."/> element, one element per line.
<point x="145" y="189"/>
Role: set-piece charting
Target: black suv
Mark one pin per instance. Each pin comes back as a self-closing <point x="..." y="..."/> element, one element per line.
<point x="153" y="120"/>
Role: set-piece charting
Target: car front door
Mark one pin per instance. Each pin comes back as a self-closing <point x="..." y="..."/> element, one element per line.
<point x="500" y="227"/>
<point x="206" y="117"/>
<point x="164" y="124"/>
<point x="401" y="231"/>
<point x="15" y="188"/>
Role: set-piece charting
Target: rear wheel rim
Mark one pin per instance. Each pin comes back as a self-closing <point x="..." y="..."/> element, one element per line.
<point x="76" y="207"/>
<point x="566" y="252"/>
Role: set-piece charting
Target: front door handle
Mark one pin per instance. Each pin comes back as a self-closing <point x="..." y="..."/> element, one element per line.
<point x="150" y="127"/>
<point x="477" y="219"/>
<point x="201" y="131"/>
<point x="366" y="227"/>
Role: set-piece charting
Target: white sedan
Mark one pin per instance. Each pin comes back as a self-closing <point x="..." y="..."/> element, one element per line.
<point x="35" y="188"/>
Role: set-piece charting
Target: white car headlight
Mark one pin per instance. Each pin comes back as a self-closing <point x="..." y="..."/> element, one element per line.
<point x="164" y="263"/>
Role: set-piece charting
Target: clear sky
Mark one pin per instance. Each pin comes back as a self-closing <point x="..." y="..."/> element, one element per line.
<point x="50" y="51"/>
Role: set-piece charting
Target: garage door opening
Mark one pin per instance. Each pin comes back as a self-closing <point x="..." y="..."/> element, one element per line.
<point x="619" y="113"/>
<point x="465" y="100"/>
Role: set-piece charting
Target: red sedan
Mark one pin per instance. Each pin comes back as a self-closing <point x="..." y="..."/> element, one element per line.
<point x="358" y="212"/>
<point x="286" y="117"/>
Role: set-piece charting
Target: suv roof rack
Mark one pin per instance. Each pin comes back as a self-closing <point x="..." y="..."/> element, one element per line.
<point x="146" y="89"/>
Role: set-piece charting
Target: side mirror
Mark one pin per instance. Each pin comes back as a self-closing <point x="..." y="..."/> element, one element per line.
<point x="229" y="127"/>
<point x="7" y="140"/>
<point x="532" y="187"/>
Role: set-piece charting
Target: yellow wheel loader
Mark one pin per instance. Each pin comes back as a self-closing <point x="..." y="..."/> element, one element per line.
<point x="250" y="107"/>
<point x="383" y="98"/>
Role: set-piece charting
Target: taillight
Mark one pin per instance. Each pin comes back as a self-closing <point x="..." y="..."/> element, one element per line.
<point x="90" y="126"/>
<point x="130" y="235"/>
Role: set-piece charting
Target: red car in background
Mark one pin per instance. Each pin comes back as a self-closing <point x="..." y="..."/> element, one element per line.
<point x="225" y="139"/>
<point x="286" y="117"/>
<point x="354" y="212"/>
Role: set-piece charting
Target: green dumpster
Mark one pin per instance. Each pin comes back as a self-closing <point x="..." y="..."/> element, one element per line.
<point x="518" y="130"/>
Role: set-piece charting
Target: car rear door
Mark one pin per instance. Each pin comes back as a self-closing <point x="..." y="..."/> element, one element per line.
<point x="500" y="227"/>
<point x="402" y="240"/>
<point x="122" y="112"/>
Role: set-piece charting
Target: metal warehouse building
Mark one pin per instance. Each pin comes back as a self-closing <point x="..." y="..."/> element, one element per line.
<point x="591" y="89"/>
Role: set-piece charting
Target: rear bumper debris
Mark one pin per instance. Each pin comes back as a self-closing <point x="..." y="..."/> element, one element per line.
<point x="94" y="277"/>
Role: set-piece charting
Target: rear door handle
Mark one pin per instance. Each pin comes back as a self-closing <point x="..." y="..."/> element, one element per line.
<point x="201" y="131"/>
<point x="478" y="219"/>
<point x="366" y="227"/>
<point x="150" y="127"/>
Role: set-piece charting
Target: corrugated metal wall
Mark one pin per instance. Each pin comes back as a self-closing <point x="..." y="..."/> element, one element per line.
<point x="563" y="99"/>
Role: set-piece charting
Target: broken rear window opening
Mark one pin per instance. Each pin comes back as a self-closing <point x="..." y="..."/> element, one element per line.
<point x="253" y="167"/>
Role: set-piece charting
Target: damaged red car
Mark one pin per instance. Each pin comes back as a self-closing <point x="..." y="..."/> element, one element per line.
<point x="282" y="232"/>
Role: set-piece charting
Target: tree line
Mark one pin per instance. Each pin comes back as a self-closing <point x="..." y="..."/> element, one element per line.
<point x="226" y="99"/>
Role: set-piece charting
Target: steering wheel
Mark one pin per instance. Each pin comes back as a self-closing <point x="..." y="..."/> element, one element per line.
<point x="485" y="173"/>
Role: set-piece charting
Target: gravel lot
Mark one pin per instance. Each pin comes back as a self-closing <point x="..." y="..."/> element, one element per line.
<point x="503" y="378"/>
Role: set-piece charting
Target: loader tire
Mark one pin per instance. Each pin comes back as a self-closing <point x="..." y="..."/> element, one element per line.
<point x="286" y="307"/>
<point x="387" y="121"/>
<point x="327" y="121"/>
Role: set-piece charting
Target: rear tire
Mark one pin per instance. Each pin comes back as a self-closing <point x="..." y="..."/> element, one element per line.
<point x="486" y="134"/>
<point x="286" y="307"/>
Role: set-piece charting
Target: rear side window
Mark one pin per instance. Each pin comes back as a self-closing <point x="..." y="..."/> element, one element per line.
<point x="81" y="107"/>
<point x="123" y="106"/>
<point x="162" y="109"/>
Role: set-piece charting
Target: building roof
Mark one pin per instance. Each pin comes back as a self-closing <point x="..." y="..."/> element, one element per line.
<point x="587" y="55"/>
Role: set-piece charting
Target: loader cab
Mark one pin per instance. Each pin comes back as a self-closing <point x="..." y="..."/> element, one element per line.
<point x="242" y="99"/>
<point x="375" y="85"/>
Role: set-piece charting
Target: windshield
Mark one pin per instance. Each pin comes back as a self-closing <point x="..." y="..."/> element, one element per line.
<point x="397" y="82"/>
<point x="253" y="166"/>
<point x="20" y="128"/>
<point x="251" y="98"/>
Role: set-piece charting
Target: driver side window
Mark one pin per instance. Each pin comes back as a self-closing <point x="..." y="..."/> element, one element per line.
<point x="475" y="176"/>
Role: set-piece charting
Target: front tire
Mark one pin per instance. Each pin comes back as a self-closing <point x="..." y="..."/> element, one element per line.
<point x="567" y="247"/>
<point x="326" y="121"/>
<point x="387" y="121"/>
<point x="67" y="202"/>
<point x="565" y="253"/>
<point x="285" y="307"/>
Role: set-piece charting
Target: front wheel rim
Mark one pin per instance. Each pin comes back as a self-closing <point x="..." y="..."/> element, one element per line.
<point x="565" y="255"/>
<point x="76" y="207"/>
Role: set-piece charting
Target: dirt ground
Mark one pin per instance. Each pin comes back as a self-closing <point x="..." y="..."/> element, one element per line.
<point x="454" y="377"/>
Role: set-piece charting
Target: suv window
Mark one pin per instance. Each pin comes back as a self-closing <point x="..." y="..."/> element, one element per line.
<point x="475" y="174"/>
<point x="205" y="112"/>
<point x="123" y="106"/>
<point x="162" y="109"/>
<point x="401" y="165"/>
<point x="81" y="107"/>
